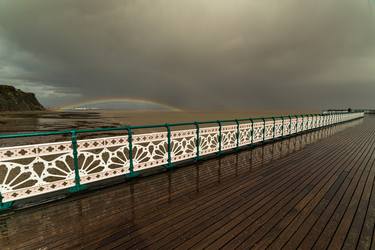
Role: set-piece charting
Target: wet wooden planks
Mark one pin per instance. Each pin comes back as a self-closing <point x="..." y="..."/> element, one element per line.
<point x="312" y="191"/>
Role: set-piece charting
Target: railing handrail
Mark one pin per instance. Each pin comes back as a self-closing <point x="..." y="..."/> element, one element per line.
<point x="126" y="127"/>
<point x="132" y="153"/>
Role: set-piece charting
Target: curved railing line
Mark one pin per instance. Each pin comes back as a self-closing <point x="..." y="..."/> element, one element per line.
<point x="80" y="131"/>
<point x="37" y="169"/>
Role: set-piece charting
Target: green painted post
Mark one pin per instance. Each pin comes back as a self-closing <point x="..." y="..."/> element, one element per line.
<point x="5" y="205"/>
<point x="303" y="123"/>
<point x="197" y="141"/>
<point x="238" y="134"/>
<point x="296" y="124"/>
<point x="219" y="137"/>
<point x="264" y="129"/>
<point x="290" y="125"/>
<point x="169" y="146"/>
<point x="274" y="128"/>
<point x="252" y="131"/>
<point x="132" y="174"/>
<point x="320" y="121"/>
<point x="77" y="179"/>
<point x="315" y="119"/>
<point x="308" y="122"/>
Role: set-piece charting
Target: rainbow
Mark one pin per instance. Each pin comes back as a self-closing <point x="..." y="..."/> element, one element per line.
<point x="118" y="100"/>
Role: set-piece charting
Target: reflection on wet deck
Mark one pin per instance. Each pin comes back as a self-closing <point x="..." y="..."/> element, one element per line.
<point x="234" y="200"/>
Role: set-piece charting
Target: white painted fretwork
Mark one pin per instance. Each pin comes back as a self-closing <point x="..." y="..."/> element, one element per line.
<point x="31" y="170"/>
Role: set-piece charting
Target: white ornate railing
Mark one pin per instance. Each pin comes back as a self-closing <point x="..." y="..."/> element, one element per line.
<point x="27" y="171"/>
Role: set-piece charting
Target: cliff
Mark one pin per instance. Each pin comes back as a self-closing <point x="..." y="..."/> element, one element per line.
<point x="12" y="99"/>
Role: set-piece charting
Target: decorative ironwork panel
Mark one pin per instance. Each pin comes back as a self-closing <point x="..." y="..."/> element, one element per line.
<point x="258" y="132"/>
<point x="268" y="130"/>
<point x="209" y="142"/>
<point x="103" y="158"/>
<point x="183" y="144"/>
<point x="286" y="127"/>
<point x="31" y="170"/>
<point x="150" y="150"/>
<point x="245" y="134"/>
<point x="313" y="122"/>
<point x="293" y="129"/>
<point x="26" y="171"/>
<point x="278" y="128"/>
<point x="299" y="124"/>
<point x="321" y="121"/>
<point x="229" y="137"/>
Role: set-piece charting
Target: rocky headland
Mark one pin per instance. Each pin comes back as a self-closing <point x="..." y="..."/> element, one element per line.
<point x="12" y="99"/>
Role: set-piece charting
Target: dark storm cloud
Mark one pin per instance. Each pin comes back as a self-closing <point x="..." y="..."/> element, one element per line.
<point x="193" y="53"/>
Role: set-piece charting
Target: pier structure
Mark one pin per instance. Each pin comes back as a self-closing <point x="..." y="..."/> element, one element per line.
<point x="303" y="183"/>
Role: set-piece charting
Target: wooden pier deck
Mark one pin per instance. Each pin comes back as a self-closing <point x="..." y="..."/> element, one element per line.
<point x="315" y="190"/>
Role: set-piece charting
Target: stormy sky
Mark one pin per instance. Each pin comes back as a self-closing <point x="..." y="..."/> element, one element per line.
<point x="193" y="54"/>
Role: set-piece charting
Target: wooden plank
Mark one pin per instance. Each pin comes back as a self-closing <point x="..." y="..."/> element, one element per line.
<point x="259" y="225"/>
<point x="300" y="226"/>
<point x="327" y="223"/>
<point x="210" y="232"/>
<point x="298" y="214"/>
<point x="285" y="194"/>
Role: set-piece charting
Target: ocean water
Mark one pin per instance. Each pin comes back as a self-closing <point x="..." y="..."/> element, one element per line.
<point x="51" y="120"/>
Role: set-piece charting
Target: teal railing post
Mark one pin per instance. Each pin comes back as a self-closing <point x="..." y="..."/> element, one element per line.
<point x="308" y="122"/>
<point x="131" y="173"/>
<point x="274" y="128"/>
<point x="264" y="129"/>
<point x="5" y="205"/>
<point x="303" y="123"/>
<point x="252" y="131"/>
<point x="290" y="124"/>
<point x="169" y="147"/>
<point x="296" y="123"/>
<point x="197" y="141"/>
<point x="320" y="120"/>
<point x="77" y="179"/>
<point x="238" y="134"/>
<point x="315" y="121"/>
<point x="219" y="137"/>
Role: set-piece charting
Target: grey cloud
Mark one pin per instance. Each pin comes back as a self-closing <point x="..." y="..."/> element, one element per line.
<point x="195" y="53"/>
